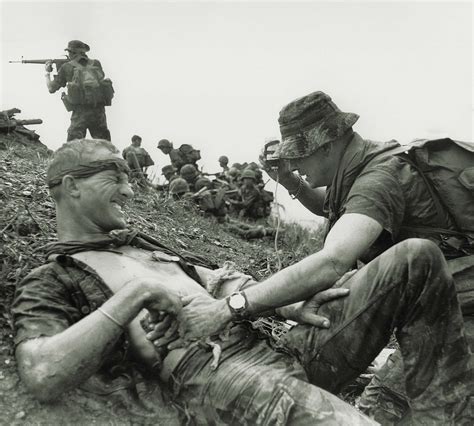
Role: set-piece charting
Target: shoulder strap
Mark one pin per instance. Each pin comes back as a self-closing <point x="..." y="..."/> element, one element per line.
<point x="75" y="291"/>
<point x="441" y="211"/>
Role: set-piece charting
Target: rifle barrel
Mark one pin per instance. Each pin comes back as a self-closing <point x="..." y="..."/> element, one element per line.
<point x="32" y="121"/>
<point x="40" y="61"/>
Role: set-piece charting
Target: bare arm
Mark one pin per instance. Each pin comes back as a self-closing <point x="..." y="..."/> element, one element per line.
<point x="49" y="82"/>
<point x="53" y="85"/>
<point x="311" y="198"/>
<point x="228" y="277"/>
<point x="352" y="235"/>
<point x="51" y="365"/>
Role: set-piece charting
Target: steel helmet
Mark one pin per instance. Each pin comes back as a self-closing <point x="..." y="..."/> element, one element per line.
<point x="248" y="173"/>
<point x="188" y="170"/>
<point x="179" y="186"/>
<point x="164" y="143"/>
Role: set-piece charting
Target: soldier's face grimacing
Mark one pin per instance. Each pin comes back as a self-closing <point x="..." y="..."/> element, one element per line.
<point x="101" y="198"/>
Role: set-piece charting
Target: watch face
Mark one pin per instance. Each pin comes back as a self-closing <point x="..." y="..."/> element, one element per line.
<point x="237" y="301"/>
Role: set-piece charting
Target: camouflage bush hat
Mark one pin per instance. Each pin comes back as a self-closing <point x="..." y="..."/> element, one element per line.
<point x="310" y="122"/>
<point x="77" y="46"/>
<point x="164" y="143"/>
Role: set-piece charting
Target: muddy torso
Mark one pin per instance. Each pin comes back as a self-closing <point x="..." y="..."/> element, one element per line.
<point x="119" y="269"/>
<point x="134" y="263"/>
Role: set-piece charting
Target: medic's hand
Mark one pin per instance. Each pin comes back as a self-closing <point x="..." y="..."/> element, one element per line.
<point x="48" y="66"/>
<point x="202" y="316"/>
<point x="307" y="312"/>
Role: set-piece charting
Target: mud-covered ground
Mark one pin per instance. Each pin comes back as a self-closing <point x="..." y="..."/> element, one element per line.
<point x="27" y="222"/>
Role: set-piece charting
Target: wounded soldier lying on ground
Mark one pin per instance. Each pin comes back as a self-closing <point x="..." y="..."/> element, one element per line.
<point x="77" y="319"/>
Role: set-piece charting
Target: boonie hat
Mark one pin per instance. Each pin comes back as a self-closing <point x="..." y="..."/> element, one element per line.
<point x="310" y="122"/>
<point x="77" y="45"/>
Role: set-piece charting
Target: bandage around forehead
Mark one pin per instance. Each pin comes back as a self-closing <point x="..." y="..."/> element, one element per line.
<point x="89" y="169"/>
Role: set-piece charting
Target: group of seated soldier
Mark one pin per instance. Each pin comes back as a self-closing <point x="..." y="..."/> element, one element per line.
<point x="233" y="195"/>
<point x="236" y="191"/>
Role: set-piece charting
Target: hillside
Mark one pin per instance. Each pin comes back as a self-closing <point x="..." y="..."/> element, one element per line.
<point x="27" y="222"/>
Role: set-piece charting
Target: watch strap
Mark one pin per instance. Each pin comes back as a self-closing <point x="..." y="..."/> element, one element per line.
<point x="240" y="313"/>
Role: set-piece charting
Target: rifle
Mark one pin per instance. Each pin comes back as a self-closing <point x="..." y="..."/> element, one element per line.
<point x="11" y="124"/>
<point x="59" y="62"/>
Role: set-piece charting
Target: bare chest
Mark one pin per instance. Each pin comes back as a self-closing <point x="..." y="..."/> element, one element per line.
<point x="132" y="264"/>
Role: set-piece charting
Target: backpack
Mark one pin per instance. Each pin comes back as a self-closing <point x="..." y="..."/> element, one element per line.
<point x="88" y="86"/>
<point x="447" y="167"/>
<point x="189" y="154"/>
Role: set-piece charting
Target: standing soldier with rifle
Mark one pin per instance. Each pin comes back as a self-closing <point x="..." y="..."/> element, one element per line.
<point x="88" y="92"/>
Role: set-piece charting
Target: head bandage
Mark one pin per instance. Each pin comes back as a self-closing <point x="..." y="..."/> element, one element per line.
<point x="89" y="169"/>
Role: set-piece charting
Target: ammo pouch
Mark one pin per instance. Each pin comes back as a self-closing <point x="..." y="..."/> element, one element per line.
<point x="148" y="160"/>
<point x="75" y="94"/>
<point x="107" y="92"/>
<point x="88" y="87"/>
<point x="462" y="270"/>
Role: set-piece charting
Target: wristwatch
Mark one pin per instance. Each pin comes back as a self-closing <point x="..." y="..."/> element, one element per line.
<point x="237" y="303"/>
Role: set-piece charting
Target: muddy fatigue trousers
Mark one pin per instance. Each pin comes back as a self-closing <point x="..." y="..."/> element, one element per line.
<point x="92" y="118"/>
<point x="254" y="385"/>
<point x="385" y="398"/>
<point x="410" y="291"/>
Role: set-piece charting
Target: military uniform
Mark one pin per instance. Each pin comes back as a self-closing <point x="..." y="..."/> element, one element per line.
<point x="391" y="191"/>
<point x="373" y="181"/>
<point x="130" y="153"/>
<point x="87" y="116"/>
<point x="252" y="385"/>
<point x="251" y="205"/>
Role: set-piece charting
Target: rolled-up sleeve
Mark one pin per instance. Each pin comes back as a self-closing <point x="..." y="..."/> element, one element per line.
<point x="378" y="194"/>
<point x="41" y="306"/>
<point x="61" y="78"/>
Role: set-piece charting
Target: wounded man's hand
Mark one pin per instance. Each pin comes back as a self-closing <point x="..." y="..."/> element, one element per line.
<point x="202" y="316"/>
<point x="162" y="331"/>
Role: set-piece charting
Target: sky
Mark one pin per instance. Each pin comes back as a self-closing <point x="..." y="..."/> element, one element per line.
<point x="216" y="74"/>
